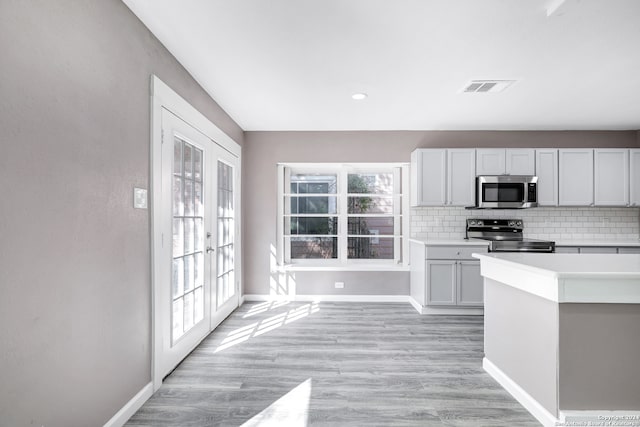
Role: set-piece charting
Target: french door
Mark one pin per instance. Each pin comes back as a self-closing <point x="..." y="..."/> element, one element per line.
<point x="197" y="288"/>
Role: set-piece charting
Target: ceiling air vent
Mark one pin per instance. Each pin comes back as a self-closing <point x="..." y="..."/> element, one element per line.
<point x="486" y="86"/>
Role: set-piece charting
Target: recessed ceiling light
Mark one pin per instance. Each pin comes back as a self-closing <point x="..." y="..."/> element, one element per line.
<point x="359" y="96"/>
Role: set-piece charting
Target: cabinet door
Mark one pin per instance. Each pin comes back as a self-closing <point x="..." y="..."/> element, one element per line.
<point x="428" y="177"/>
<point x="611" y="178"/>
<point x="461" y="177"/>
<point x="629" y="250"/>
<point x="521" y="161"/>
<point x="441" y="283"/>
<point x="567" y="250"/>
<point x="575" y="177"/>
<point x="547" y="172"/>
<point x="470" y="285"/>
<point x="634" y="177"/>
<point x="598" y="250"/>
<point x="490" y="161"/>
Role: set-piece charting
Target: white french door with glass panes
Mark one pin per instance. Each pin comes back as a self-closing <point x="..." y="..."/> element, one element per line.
<point x="197" y="288"/>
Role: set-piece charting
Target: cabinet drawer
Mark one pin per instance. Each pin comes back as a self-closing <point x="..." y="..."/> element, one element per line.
<point x="453" y="252"/>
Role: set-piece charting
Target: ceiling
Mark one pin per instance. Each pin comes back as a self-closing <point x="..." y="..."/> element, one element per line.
<point x="294" y="64"/>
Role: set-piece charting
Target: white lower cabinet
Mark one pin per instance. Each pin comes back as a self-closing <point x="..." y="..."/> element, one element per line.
<point x="454" y="283"/>
<point x="470" y="285"/>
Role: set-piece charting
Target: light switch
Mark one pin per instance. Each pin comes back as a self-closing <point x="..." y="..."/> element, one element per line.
<point x="139" y="198"/>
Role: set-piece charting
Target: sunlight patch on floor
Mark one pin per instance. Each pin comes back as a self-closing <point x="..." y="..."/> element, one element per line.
<point x="291" y="410"/>
<point x="264" y="307"/>
<point x="255" y="329"/>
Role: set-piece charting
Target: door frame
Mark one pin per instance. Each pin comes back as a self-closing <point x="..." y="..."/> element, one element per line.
<point x="163" y="97"/>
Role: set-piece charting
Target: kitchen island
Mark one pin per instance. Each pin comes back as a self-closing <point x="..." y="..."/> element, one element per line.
<point x="562" y="334"/>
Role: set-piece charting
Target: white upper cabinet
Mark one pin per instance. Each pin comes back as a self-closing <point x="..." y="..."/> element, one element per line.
<point x="520" y="161"/>
<point x="509" y="161"/>
<point x="611" y="183"/>
<point x="634" y="177"/>
<point x="490" y="161"/>
<point x="442" y="177"/>
<point x="428" y="177"/>
<point x="461" y="177"/>
<point x="547" y="172"/>
<point x="575" y="177"/>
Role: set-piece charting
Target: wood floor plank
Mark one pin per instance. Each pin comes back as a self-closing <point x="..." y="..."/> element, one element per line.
<point x="335" y="364"/>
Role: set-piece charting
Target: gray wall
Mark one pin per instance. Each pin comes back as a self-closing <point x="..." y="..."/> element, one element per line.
<point x="263" y="150"/>
<point x="74" y="254"/>
<point x="598" y="358"/>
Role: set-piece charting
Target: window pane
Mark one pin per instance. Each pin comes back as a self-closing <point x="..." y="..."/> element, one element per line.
<point x="199" y="235"/>
<point x="314" y="247"/>
<point x="370" y="247"/>
<point x="314" y="205"/>
<point x="197" y="194"/>
<point x="177" y="157"/>
<point x="189" y="235"/>
<point x="198" y="305"/>
<point x="372" y="183"/>
<point x="189" y="273"/>
<point x="382" y="225"/>
<point x="178" y="201"/>
<point x="188" y="198"/>
<point x="314" y="225"/>
<point x="178" y="318"/>
<point x="188" y="311"/>
<point x="188" y="161"/>
<point x="197" y="164"/>
<point x="370" y="205"/>
<point x="178" y="237"/>
<point x="199" y="270"/>
<point x="314" y="183"/>
<point x="177" y="281"/>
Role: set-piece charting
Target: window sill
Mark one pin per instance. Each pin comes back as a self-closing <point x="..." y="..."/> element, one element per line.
<point x="351" y="267"/>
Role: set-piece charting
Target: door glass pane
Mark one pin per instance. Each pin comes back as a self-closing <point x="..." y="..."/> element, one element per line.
<point x="225" y="288"/>
<point x="187" y="286"/>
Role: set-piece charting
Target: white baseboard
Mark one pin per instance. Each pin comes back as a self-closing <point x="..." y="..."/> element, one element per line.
<point x="130" y="408"/>
<point x="415" y="304"/>
<point x="545" y="417"/>
<point x="328" y="298"/>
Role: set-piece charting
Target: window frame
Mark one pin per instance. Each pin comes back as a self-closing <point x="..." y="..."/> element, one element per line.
<point x="400" y="215"/>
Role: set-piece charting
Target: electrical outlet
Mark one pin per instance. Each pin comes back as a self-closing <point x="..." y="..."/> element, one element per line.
<point x="339" y="285"/>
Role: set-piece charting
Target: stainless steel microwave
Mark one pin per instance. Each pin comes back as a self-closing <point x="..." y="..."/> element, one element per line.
<point x="506" y="191"/>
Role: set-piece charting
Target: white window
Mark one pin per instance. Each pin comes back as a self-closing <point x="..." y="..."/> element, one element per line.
<point x="342" y="214"/>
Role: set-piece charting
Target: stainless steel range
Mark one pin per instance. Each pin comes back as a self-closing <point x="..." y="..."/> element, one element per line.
<point x="505" y="235"/>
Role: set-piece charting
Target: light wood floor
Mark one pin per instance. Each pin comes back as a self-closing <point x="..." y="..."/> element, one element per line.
<point x="335" y="364"/>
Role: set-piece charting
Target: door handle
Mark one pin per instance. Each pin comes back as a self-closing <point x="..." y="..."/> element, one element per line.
<point x="210" y="249"/>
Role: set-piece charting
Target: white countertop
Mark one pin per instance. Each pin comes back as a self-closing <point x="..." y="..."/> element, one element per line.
<point x="595" y="278"/>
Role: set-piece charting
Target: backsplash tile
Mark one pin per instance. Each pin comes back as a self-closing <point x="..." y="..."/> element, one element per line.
<point x="551" y="223"/>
